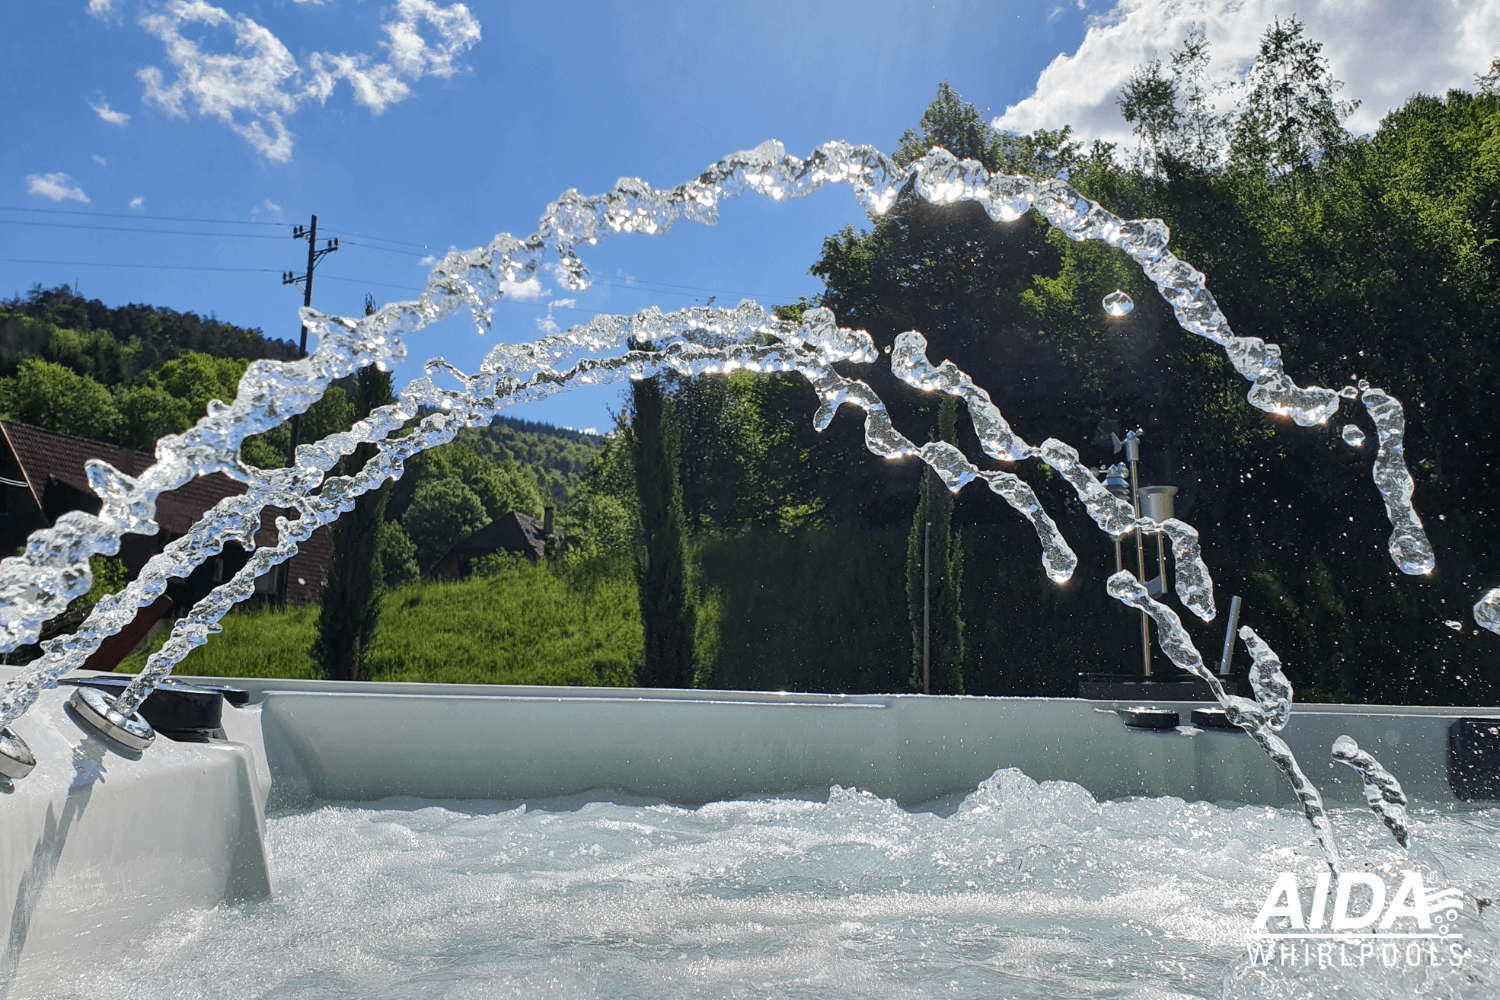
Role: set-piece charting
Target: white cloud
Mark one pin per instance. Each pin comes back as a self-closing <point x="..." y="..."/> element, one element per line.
<point x="377" y="85"/>
<point x="100" y="160"/>
<point x="119" y="118"/>
<point x="255" y="88"/>
<point x="547" y="324"/>
<point x="563" y="304"/>
<point x="529" y="290"/>
<point x="102" y="8"/>
<point x="138" y="203"/>
<point x="57" y="187"/>
<point x="1384" y="51"/>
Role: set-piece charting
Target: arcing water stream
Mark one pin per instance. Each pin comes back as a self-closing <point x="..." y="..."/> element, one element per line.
<point x="54" y="569"/>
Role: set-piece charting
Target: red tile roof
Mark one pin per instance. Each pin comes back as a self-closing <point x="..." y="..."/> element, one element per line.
<point x="44" y="455"/>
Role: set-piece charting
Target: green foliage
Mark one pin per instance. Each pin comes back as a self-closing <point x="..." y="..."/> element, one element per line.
<point x="55" y="398"/>
<point x="330" y="414"/>
<point x="956" y="126"/>
<point x="1174" y="116"/>
<point x="148" y="412"/>
<point x="442" y="513"/>
<point x="110" y="577"/>
<point x="269" y="641"/>
<point x="1363" y="257"/>
<point x="350" y="613"/>
<point x="810" y="610"/>
<point x="515" y="623"/>
<point x="114" y="346"/>
<point x="934" y="577"/>
<point x="556" y="456"/>
<point x="395" y="557"/>
<point x="1288" y="111"/>
<point x="666" y="606"/>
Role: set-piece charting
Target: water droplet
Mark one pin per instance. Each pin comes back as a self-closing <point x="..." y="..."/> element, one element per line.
<point x="1349" y="392"/>
<point x="1353" y="436"/>
<point x="1117" y="303"/>
<point x="1455" y="626"/>
<point x="1487" y="611"/>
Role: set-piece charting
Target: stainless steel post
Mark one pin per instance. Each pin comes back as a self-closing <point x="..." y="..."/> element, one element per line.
<point x="1234" y="620"/>
<point x="1133" y="452"/>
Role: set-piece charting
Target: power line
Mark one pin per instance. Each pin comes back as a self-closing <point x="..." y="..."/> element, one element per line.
<point x="149" y="267"/>
<point x="366" y="246"/>
<point x="361" y="236"/>
<point x="137" y="215"/>
<point x="378" y="284"/>
<point x="137" y="229"/>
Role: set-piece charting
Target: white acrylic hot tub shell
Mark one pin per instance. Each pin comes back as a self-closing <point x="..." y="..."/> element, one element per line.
<point x="100" y="842"/>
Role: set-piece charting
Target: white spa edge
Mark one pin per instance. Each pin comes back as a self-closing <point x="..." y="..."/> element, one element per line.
<point x="100" y="841"/>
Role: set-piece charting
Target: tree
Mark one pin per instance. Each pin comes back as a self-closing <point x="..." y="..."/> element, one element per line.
<point x="1148" y="103"/>
<point x="1488" y="82"/>
<point x="196" y="378"/>
<point x="148" y="412"/>
<point x="934" y="575"/>
<point x="350" y="614"/>
<point x="953" y="124"/>
<point x="442" y="513"/>
<point x="1173" y="115"/>
<point x="56" y="398"/>
<point x="330" y="414"/>
<point x="1200" y="130"/>
<point x="1288" y="114"/>
<point x="396" y="563"/>
<point x="662" y="570"/>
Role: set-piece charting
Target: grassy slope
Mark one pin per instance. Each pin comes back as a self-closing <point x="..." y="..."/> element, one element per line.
<point x="526" y="624"/>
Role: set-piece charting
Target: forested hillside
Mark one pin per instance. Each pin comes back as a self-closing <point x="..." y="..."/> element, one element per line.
<point x="131" y="374"/>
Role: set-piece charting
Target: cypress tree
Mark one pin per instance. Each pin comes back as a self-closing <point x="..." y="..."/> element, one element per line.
<point x="352" y="591"/>
<point x="661" y="571"/>
<point x="933" y="537"/>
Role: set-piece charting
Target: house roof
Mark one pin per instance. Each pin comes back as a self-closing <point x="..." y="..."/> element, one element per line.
<point x="514" y="532"/>
<point x="45" y="455"/>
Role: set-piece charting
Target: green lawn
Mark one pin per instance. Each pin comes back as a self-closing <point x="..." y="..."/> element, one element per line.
<point x="521" y="624"/>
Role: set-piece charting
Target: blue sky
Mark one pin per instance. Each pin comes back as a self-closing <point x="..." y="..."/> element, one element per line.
<point x="416" y="126"/>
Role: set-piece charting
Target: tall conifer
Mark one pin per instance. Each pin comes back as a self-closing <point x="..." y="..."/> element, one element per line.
<point x="661" y="571"/>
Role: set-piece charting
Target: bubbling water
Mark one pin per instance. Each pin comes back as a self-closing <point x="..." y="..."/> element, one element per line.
<point x="1018" y="889"/>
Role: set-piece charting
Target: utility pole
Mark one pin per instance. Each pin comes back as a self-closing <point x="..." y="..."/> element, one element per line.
<point x="304" y="282"/>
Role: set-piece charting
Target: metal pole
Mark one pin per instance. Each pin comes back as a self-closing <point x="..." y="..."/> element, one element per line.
<point x="1134" y="455"/>
<point x="1161" y="559"/>
<point x="926" y="610"/>
<point x="1234" y="619"/>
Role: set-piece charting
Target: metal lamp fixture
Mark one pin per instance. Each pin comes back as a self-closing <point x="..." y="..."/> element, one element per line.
<point x="1157" y="504"/>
